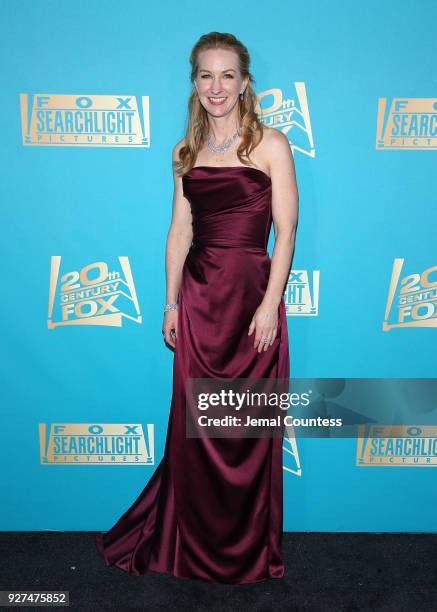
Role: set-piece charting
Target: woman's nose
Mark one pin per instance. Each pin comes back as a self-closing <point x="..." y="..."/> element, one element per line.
<point x="216" y="86"/>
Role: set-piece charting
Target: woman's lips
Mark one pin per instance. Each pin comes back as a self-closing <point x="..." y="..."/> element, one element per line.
<point x="217" y="101"/>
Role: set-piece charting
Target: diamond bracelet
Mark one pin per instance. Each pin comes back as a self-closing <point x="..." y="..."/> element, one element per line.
<point x="170" y="307"/>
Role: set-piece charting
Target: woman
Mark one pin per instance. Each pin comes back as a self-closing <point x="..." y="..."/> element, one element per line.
<point x="212" y="510"/>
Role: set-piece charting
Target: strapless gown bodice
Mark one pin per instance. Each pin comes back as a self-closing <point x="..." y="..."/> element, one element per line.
<point x="230" y="205"/>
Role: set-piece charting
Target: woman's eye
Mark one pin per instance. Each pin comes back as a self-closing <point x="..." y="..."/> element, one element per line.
<point x="206" y="76"/>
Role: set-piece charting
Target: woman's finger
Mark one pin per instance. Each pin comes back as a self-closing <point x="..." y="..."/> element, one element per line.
<point x="264" y="341"/>
<point x="169" y="336"/>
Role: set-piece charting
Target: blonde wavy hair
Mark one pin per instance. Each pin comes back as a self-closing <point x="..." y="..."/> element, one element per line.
<point x="197" y="128"/>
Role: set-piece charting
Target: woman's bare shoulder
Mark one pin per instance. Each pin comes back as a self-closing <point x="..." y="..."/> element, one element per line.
<point x="274" y="146"/>
<point x="274" y="139"/>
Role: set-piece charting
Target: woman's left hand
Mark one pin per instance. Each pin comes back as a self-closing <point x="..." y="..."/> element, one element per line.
<point x="265" y="324"/>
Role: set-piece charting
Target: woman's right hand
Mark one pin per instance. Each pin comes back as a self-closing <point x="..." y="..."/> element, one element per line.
<point x="170" y="327"/>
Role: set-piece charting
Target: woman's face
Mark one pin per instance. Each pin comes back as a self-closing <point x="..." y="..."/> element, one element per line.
<point x="219" y="81"/>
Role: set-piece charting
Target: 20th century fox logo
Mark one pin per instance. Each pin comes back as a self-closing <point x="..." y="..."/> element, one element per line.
<point x="92" y="294"/>
<point x="85" y="120"/>
<point x="412" y="298"/>
<point x="290" y="115"/>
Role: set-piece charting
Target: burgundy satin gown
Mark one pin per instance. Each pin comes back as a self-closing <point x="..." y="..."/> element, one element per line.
<point x="212" y="510"/>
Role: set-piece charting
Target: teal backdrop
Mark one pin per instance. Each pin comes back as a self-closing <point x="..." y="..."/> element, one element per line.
<point x="360" y="208"/>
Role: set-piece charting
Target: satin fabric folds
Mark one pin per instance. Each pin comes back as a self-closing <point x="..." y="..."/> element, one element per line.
<point x="212" y="510"/>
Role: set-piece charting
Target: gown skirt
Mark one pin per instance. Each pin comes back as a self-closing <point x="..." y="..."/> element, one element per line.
<point x="213" y="508"/>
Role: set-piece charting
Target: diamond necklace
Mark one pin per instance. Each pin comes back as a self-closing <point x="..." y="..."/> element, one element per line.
<point x="222" y="148"/>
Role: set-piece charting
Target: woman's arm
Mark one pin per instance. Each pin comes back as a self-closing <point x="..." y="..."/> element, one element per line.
<point x="285" y="200"/>
<point x="179" y="239"/>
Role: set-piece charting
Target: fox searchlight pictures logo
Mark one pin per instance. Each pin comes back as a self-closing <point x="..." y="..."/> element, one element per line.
<point x="389" y="445"/>
<point x="84" y="120"/>
<point x="407" y="123"/>
<point x="301" y="294"/>
<point x="96" y="443"/>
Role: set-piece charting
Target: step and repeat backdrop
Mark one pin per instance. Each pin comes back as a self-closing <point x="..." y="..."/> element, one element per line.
<point x="94" y="97"/>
